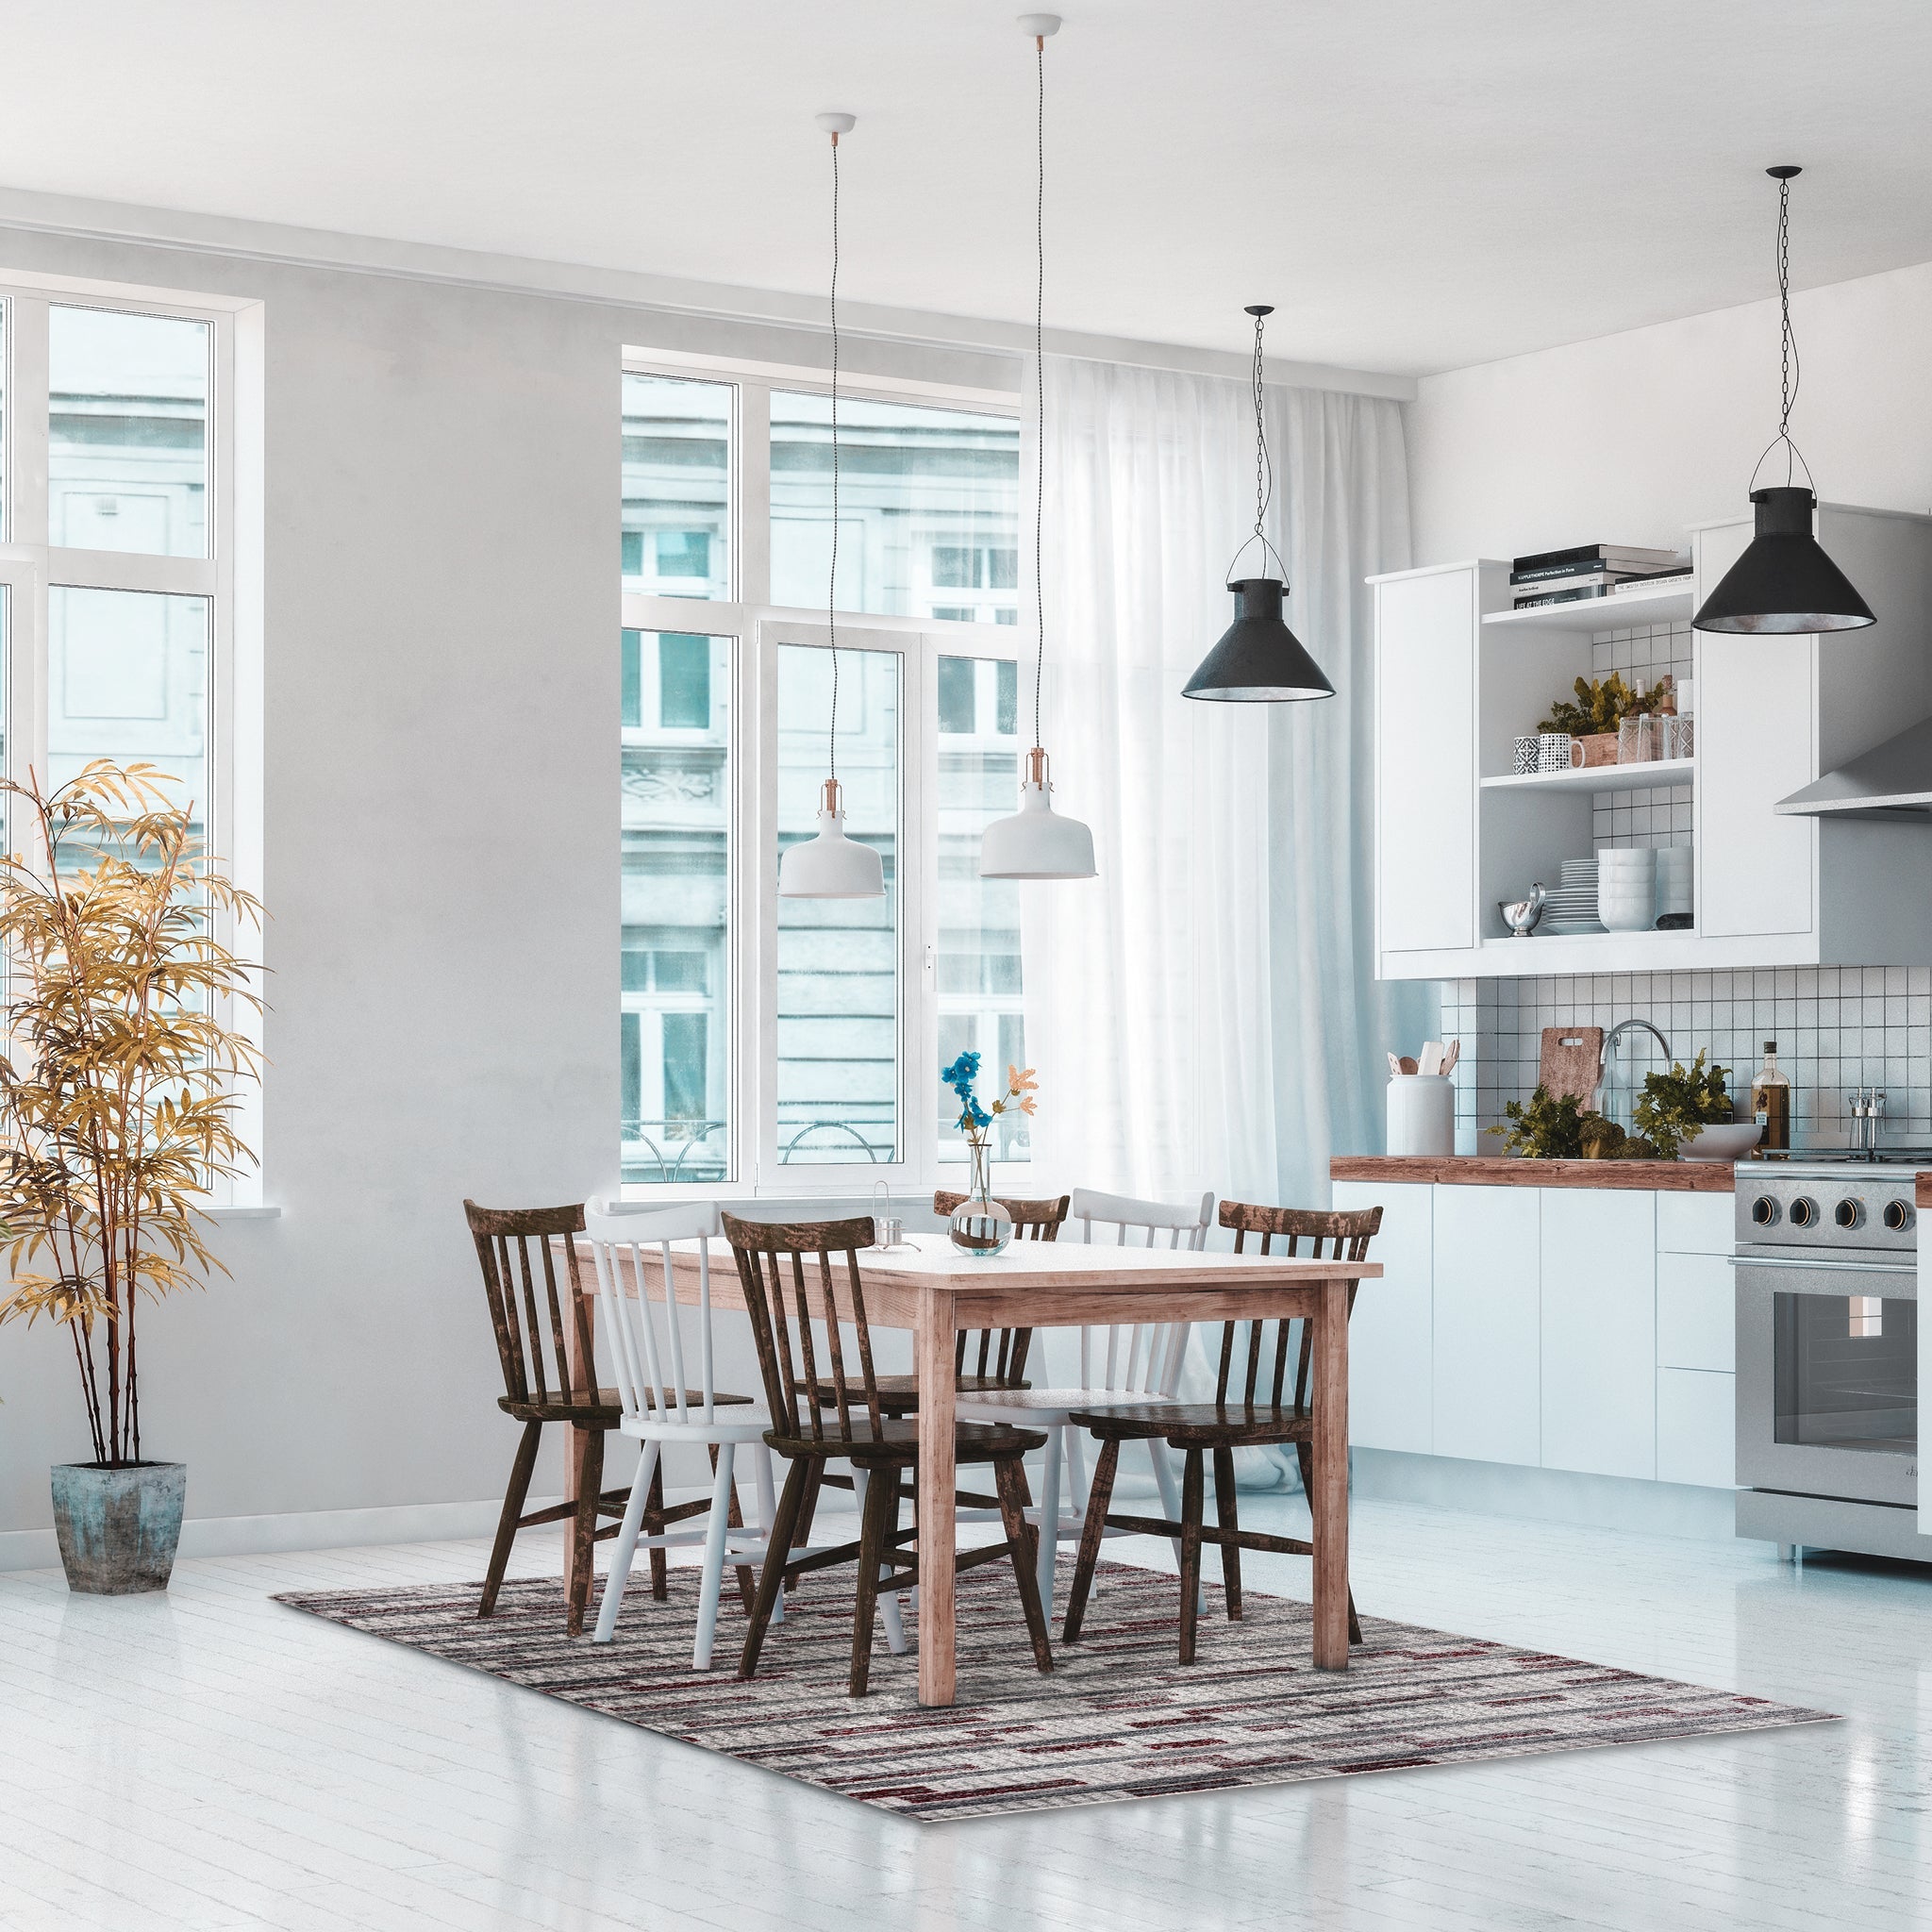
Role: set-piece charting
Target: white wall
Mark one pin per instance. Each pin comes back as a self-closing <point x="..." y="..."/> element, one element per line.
<point x="1631" y="438"/>
<point x="442" y="871"/>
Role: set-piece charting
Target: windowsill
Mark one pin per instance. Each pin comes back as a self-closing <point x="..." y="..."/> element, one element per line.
<point x="242" y="1213"/>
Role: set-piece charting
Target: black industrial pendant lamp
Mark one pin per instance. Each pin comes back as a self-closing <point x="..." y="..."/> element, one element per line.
<point x="1258" y="659"/>
<point x="1784" y="582"/>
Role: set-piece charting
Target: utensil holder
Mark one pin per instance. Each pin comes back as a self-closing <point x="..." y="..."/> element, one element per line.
<point x="1422" y="1115"/>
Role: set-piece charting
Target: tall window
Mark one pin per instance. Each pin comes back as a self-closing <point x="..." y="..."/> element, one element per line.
<point x="118" y="546"/>
<point x="781" y="1044"/>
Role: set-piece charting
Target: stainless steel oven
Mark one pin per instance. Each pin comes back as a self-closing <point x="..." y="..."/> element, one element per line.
<point x="1828" y="1311"/>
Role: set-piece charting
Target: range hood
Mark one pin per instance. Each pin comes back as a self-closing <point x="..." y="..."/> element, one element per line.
<point x="1891" y="781"/>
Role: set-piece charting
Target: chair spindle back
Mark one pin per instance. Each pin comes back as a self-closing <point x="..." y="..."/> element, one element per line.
<point x="787" y="1342"/>
<point x="530" y="1320"/>
<point x="1341" y="1236"/>
<point x="1001" y="1353"/>
<point x="650" y="1372"/>
<point x="1143" y="1358"/>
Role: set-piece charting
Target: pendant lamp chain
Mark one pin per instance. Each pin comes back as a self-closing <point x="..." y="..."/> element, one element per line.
<point x="1265" y="463"/>
<point x="1791" y="370"/>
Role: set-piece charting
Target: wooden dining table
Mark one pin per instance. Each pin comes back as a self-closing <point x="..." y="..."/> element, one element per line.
<point x="931" y="1288"/>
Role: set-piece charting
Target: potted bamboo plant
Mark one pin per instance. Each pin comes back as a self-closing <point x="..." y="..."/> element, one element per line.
<point x="118" y="1098"/>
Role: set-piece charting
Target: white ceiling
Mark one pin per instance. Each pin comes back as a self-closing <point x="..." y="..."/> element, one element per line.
<point x="1416" y="184"/>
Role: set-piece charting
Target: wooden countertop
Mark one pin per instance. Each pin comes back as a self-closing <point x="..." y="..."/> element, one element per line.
<point x="1479" y="1171"/>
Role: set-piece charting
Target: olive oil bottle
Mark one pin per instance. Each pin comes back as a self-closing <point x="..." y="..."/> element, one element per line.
<point x="1770" y="1102"/>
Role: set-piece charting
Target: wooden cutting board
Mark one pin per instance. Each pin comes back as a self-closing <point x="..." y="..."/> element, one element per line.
<point x="1571" y="1062"/>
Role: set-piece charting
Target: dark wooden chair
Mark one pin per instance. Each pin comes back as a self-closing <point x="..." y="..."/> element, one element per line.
<point x="791" y="1322"/>
<point x="997" y="1356"/>
<point x="529" y="1309"/>
<point x="1248" y="1415"/>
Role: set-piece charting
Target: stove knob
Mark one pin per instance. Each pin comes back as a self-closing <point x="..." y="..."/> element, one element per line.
<point x="1804" y="1212"/>
<point x="1899" y="1216"/>
<point x="1849" y="1213"/>
<point x="1764" y="1210"/>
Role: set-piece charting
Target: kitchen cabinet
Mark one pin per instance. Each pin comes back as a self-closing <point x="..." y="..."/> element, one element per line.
<point x="1458" y="831"/>
<point x="1390" y="1399"/>
<point x="1488" y="1358"/>
<point x="1580" y="1328"/>
<point x="1696" y="1312"/>
<point x="1425" y="760"/>
<point x="1598" y="1330"/>
<point x="1696" y="1428"/>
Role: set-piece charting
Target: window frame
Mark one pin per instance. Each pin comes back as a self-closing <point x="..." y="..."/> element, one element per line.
<point x="228" y="578"/>
<point x="760" y="626"/>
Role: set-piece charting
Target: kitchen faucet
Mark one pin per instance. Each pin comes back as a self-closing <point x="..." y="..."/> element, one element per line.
<point x="1618" y="1031"/>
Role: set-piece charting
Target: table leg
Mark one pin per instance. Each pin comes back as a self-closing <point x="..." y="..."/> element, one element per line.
<point x="1329" y="1504"/>
<point x="573" y="1443"/>
<point x="938" y="1490"/>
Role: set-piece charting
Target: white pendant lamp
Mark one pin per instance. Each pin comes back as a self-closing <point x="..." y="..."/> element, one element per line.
<point x="829" y="865"/>
<point x="1037" y="842"/>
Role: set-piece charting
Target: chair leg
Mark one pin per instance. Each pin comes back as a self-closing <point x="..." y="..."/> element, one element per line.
<point x="1163" y="1481"/>
<point x="1225" y="1515"/>
<point x="878" y="1518"/>
<point x="520" y="1473"/>
<point x="1008" y="1484"/>
<point x="627" y="1547"/>
<point x="584" y="1526"/>
<point x="1192" y="1507"/>
<point x="768" y="1514"/>
<point x="778" y="1552"/>
<point x="711" y="1584"/>
<point x="1305" y="1459"/>
<point x="889" y="1600"/>
<point x="809" y="1508"/>
<point x="1091" y="1531"/>
<point x="653" y="1523"/>
<point x="1049" y="1514"/>
<point x="734" y="1519"/>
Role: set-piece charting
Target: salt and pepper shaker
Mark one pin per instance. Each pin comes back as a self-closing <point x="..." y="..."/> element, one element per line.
<point x="1866" y="1106"/>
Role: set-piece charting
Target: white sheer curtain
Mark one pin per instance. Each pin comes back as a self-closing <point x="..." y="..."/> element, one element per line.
<point x="1203" y="1014"/>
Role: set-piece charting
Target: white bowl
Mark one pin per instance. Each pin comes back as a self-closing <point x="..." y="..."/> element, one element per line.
<point x="1719" y="1142"/>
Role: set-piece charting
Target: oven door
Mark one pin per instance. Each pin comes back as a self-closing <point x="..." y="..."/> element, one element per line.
<point x="1828" y="1376"/>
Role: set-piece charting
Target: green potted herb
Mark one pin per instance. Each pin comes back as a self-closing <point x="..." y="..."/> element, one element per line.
<point x="1676" y="1108"/>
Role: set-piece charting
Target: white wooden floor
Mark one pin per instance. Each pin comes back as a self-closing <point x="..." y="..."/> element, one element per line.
<point x="209" y="1759"/>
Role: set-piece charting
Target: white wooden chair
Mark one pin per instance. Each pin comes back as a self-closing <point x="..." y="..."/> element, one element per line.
<point x="660" y="1409"/>
<point x="1126" y="1363"/>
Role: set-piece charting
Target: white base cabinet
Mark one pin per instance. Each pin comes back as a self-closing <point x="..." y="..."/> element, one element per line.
<point x="1599" y="1330"/>
<point x="1567" y="1328"/>
<point x="1389" y="1399"/>
<point x="1488" y="1324"/>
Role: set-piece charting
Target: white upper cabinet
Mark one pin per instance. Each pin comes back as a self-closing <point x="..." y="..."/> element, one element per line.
<point x="1756" y="742"/>
<point x="1459" y="675"/>
<point x="1425" y="760"/>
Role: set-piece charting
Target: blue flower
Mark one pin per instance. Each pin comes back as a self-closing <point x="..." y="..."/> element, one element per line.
<point x="960" y="1075"/>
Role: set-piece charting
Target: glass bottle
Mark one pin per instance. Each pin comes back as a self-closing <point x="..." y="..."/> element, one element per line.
<point x="1770" y="1101"/>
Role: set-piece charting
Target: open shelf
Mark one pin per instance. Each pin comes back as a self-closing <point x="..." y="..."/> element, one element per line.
<point x="1637" y="777"/>
<point x="1620" y="611"/>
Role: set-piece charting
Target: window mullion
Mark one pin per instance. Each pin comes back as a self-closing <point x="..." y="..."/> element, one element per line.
<point x="27" y="421"/>
<point x="751" y="496"/>
<point x="920" y="844"/>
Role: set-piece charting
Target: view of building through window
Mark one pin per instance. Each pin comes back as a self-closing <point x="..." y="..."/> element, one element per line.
<point x="677" y="487"/>
<point x="978" y="963"/>
<point x="929" y="508"/>
<point x="928" y="532"/>
<point x="676" y="982"/>
<point x="127" y="470"/>
<point x="839" y="1005"/>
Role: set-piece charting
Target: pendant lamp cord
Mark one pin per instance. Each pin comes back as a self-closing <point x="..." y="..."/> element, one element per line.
<point x="832" y="575"/>
<point x="1265" y="464"/>
<point x="1791" y="371"/>
<point x="1039" y="374"/>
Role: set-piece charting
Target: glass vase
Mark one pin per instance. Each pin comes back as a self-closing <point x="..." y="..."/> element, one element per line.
<point x="980" y="1226"/>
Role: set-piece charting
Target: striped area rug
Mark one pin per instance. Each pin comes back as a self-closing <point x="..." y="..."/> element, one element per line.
<point x="1118" y="1717"/>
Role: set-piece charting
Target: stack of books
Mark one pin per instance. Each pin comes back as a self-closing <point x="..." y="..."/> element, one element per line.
<point x="1591" y="569"/>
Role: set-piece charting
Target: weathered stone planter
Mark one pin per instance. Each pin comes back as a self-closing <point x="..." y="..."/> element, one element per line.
<point x="118" y="1527"/>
